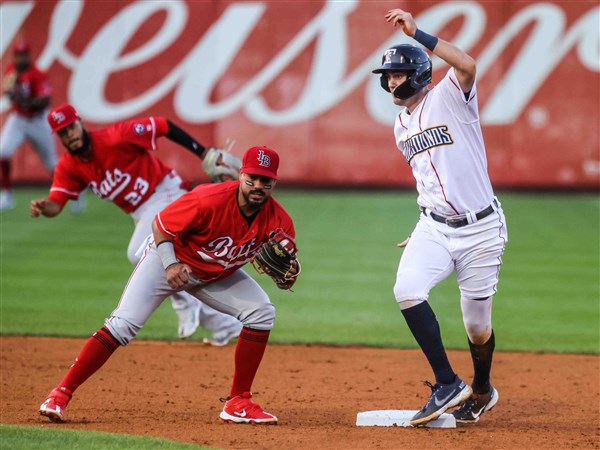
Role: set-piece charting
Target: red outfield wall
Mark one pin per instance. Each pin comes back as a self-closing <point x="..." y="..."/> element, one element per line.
<point x="296" y="76"/>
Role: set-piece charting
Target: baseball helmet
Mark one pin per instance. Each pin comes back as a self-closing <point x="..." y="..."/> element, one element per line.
<point x="410" y="59"/>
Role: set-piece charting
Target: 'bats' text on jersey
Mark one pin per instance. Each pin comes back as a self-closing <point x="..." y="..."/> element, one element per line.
<point x="121" y="168"/>
<point x="442" y="141"/>
<point x="211" y="234"/>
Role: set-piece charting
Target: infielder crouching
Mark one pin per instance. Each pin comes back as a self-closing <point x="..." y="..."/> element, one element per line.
<point x="200" y="242"/>
<point x="118" y="165"/>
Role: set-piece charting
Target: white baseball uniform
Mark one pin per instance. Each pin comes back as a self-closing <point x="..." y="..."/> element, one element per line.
<point x="441" y="140"/>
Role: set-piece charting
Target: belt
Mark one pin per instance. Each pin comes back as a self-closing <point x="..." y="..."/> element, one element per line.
<point x="459" y="222"/>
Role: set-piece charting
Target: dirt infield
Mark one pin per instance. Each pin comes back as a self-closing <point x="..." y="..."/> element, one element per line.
<point x="172" y="390"/>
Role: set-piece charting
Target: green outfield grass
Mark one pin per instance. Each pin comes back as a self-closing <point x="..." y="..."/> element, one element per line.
<point x="29" y="438"/>
<point x="62" y="276"/>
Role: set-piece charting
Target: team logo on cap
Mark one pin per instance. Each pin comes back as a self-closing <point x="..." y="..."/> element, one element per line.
<point x="263" y="160"/>
<point x="58" y="117"/>
<point x="387" y="56"/>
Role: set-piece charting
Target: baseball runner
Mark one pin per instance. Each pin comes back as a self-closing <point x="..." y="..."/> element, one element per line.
<point x="116" y="164"/>
<point x="461" y="228"/>
<point x="28" y="89"/>
<point x="200" y="243"/>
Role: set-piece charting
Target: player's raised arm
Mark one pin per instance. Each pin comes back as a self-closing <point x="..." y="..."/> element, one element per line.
<point x="183" y="138"/>
<point x="44" y="207"/>
<point x="463" y="64"/>
<point x="220" y="165"/>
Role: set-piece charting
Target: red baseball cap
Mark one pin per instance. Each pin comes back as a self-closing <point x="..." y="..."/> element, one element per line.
<point x="61" y="116"/>
<point x="21" y="47"/>
<point x="263" y="161"/>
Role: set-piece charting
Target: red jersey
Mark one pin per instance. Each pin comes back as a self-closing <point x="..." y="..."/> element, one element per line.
<point x="211" y="234"/>
<point x="121" y="168"/>
<point x="31" y="84"/>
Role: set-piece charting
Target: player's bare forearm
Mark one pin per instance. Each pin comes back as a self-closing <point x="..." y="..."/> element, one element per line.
<point x="44" y="207"/>
<point x="463" y="64"/>
<point x="158" y="236"/>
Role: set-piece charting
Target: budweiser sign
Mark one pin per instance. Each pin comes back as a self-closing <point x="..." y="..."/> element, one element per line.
<point x="297" y="76"/>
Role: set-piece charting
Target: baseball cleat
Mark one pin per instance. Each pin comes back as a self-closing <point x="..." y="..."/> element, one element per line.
<point x="7" y="200"/>
<point x="241" y="409"/>
<point x="54" y="406"/>
<point x="443" y="397"/>
<point x="222" y="338"/>
<point x="474" y="407"/>
<point x="189" y="320"/>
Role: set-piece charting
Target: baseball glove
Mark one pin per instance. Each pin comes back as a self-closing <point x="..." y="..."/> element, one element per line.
<point x="221" y="165"/>
<point x="277" y="258"/>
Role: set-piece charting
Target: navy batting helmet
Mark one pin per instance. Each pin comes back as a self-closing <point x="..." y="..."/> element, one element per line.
<point x="410" y="59"/>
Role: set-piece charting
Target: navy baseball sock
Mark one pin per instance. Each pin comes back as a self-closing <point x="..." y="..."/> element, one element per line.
<point x="425" y="328"/>
<point x="482" y="364"/>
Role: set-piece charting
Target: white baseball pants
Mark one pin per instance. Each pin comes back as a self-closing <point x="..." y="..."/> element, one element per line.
<point x="36" y="130"/>
<point x="435" y="250"/>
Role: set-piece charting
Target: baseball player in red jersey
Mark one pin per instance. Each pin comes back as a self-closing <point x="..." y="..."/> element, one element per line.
<point x="28" y="89"/>
<point x="116" y="163"/>
<point x="200" y="243"/>
<point x="461" y="228"/>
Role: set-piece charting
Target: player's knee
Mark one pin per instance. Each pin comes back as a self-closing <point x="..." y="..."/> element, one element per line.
<point x="409" y="303"/>
<point x="406" y="290"/>
<point x="121" y="329"/>
<point x="132" y="255"/>
<point x="478" y="333"/>
<point x="477" y="318"/>
<point x="260" y="318"/>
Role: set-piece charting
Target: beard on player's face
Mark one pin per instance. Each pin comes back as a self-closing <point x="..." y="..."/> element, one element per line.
<point x="75" y="139"/>
<point x="256" y="189"/>
<point x="255" y="197"/>
<point x="22" y="62"/>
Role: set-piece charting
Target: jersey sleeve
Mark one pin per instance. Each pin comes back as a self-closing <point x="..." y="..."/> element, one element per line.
<point x="42" y="87"/>
<point x="65" y="186"/>
<point x="288" y="226"/>
<point x="463" y="107"/>
<point x="143" y="132"/>
<point x="180" y="216"/>
<point x="282" y="220"/>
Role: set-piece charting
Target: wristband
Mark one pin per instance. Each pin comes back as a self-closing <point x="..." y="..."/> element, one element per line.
<point x="425" y="39"/>
<point x="166" y="251"/>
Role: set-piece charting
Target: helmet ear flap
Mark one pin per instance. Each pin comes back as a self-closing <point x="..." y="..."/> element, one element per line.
<point x="424" y="78"/>
<point x="383" y="79"/>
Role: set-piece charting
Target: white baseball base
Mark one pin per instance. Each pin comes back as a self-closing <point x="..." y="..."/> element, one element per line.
<point x="399" y="418"/>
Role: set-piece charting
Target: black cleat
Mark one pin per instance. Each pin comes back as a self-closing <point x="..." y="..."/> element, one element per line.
<point x="474" y="407"/>
<point x="443" y="397"/>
